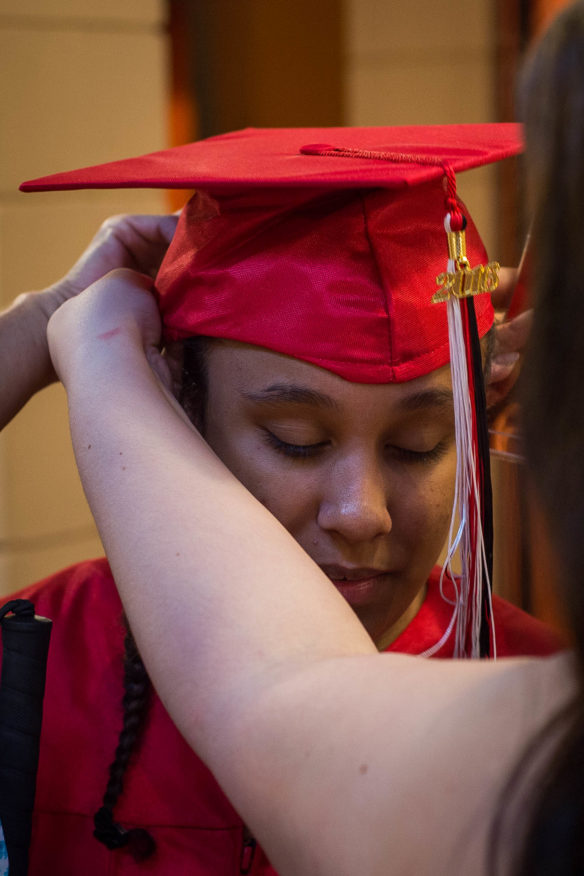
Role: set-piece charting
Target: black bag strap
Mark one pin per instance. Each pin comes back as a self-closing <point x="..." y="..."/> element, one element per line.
<point x="25" y="647"/>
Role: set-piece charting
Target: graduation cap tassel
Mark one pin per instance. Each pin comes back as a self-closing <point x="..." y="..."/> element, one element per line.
<point x="472" y="509"/>
<point x="474" y="356"/>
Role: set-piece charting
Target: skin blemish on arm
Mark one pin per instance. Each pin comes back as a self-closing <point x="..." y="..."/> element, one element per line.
<point x="107" y="335"/>
<point x="364" y="768"/>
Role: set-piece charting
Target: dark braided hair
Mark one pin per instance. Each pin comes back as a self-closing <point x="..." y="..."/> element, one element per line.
<point x="137" y="685"/>
<point x="194" y="387"/>
<point x="137" y="689"/>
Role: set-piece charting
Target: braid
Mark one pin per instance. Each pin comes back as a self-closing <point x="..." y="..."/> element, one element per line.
<point x="137" y="685"/>
<point x="193" y="394"/>
<point x="137" y="688"/>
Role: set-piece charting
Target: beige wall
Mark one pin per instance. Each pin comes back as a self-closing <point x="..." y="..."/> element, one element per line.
<point x="404" y="66"/>
<point x="84" y="81"/>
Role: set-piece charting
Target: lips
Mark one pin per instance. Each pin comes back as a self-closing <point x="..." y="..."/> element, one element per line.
<point x="359" y="585"/>
<point x="343" y="574"/>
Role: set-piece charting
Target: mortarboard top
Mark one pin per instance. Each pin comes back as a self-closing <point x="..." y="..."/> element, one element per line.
<point x="331" y="258"/>
<point x="271" y="157"/>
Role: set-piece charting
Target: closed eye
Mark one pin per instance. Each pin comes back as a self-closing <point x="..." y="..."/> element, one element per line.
<point x="416" y="457"/>
<point x="294" y="451"/>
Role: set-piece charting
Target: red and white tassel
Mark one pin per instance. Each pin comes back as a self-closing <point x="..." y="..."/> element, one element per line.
<point x="466" y="531"/>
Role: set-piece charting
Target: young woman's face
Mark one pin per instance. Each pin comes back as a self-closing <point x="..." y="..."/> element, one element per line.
<point x="361" y="475"/>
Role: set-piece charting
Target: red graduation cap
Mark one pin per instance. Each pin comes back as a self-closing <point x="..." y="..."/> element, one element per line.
<point x="326" y="244"/>
<point x="299" y="253"/>
<point x="263" y="158"/>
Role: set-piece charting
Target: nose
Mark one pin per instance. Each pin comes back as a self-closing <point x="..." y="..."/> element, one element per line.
<point x="354" y="503"/>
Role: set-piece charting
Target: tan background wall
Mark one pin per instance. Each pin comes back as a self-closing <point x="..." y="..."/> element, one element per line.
<point x="83" y="81"/>
<point x="403" y="67"/>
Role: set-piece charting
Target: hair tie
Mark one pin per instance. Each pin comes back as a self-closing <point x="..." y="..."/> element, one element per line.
<point x="137" y="841"/>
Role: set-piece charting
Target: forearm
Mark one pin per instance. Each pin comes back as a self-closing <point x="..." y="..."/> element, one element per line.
<point x="25" y="364"/>
<point x="253" y="653"/>
<point x="209" y="594"/>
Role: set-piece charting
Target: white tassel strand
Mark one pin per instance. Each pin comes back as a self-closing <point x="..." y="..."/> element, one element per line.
<point x="466" y="512"/>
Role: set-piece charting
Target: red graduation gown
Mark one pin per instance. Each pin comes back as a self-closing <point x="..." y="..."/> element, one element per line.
<point x="166" y="789"/>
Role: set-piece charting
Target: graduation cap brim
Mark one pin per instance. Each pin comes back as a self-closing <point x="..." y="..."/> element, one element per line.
<point x="274" y="158"/>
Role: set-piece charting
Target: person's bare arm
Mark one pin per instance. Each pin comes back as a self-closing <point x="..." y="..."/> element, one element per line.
<point x="341" y="760"/>
<point x="137" y="242"/>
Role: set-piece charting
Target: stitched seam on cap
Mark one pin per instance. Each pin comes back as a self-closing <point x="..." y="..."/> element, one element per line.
<point x="384" y="296"/>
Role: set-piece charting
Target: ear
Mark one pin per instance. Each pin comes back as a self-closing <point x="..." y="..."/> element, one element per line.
<point x="499" y="391"/>
<point x="510" y="339"/>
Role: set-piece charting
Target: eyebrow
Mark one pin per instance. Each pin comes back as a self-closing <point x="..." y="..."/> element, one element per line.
<point x="427" y="398"/>
<point x="286" y="393"/>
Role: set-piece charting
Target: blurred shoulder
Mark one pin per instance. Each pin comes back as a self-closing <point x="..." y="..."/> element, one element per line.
<point x="519" y="634"/>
